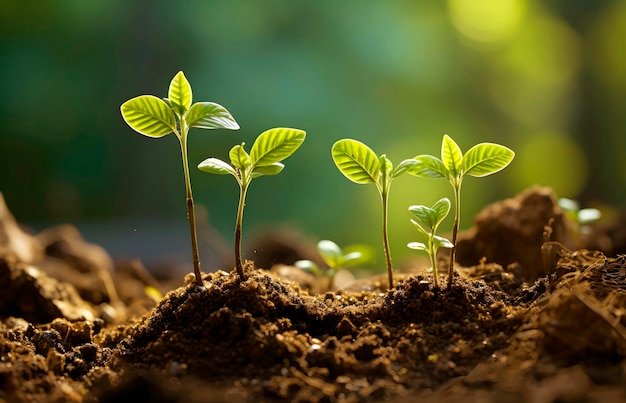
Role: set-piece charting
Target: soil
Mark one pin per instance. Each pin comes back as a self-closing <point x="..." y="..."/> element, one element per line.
<point x="533" y="315"/>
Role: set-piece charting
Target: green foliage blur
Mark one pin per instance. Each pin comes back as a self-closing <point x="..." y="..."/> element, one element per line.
<point x="545" y="78"/>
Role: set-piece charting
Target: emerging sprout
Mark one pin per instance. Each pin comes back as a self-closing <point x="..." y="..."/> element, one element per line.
<point x="334" y="257"/>
<point x="361" y="165"/>
<point x="427" y="219"/>
<point x="481" y="160"/>
<point x="155" y="117"/>
<point x="271" y="147"/>
<point x="581" y="218"/>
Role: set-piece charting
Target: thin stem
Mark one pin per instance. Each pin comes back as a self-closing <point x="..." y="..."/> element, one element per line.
<point x="455" y="230"/>
<point x="190" y="206"/>
<point x="239" y="226"/>
<point x="433" y="260"/>
<point x="384" y="196"/>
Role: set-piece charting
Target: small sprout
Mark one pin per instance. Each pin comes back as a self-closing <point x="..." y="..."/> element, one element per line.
<point x="427" y="219"/>
<point x="481" y="160"/>
<point x="155" y="117"/>
<point x="271" y="147"/>
<point x="334" y="257"/>
<point x="581" y="218"/>
<point x="360" y="164"/>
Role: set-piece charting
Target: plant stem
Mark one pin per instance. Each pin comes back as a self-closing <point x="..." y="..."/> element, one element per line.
<point x="384" y="197"/>
<point x="190" y="207"/>
<point x="455" y="230"/>
<point x="433" y="262"/>
<point x="238" y="228"/>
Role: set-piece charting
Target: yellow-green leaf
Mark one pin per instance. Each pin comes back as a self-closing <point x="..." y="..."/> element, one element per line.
<point x="451" y="155"/>
<point x="209" y="115"/>
<point x="275" y="145"/>
<point x="239" y="157"/>
<point x="216" y="166"/>
<point x="356" y="161"/>
<point x="180" y="94"/>
<point x="486" y="158"/>
<point x="149" y="115"/>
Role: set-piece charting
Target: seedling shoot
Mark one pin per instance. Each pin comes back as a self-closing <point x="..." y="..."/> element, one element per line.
<point x="427" y="220"/>
<point x="359" y="163"/>
<point x="481" y="160"/>
<point x="266" y="154"/>
<point x="155" y="117"/>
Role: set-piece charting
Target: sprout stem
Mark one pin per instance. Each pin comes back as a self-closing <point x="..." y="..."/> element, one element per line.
<point x="455" y="230"/>
<point x="238" y="228"/>
<point x="190" y="207"/>
<point x="386" y="239"/>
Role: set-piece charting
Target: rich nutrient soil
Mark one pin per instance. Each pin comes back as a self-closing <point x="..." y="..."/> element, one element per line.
<point x="532" y="316"/>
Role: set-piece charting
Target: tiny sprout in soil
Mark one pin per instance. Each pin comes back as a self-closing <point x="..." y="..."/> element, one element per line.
<point x="580" y="218"/>
<point x="155" y="117"/>
<point x="360" y="164"/>
<point x="481" y="160"/>
<point x="334" y="257"/>
<point x="271" y="147"/>
<point x="427" y="220"/>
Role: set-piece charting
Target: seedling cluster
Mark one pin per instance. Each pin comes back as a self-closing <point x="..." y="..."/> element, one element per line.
<point x="155" y="117"/>
<point x="334" y="257"/>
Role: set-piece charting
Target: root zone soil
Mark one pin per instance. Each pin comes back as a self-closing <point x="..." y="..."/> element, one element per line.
<point x="520" y="323"/>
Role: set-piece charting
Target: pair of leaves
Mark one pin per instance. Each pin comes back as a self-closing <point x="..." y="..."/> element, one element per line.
<point x="155" y="117"/>
<point x="334" y="257"/>
<point x="427" y="220"/>
<point x="271" y="147"/>
<point x="481" y="160"/>
<point x="359" y="163"/>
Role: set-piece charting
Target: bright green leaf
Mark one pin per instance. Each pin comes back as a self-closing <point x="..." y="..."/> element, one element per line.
<point x="356" y="161"/>
<point x="209" y="115"/>
<point x="451" y="155"/>
<point x="403" y="167"/>
<point x="427" y="166"/>
<point x="149" y="115"/>
<point x="422" y="228"/>
<point x="486" y="158"/>
<point x="275" y="145"/>
<point x="352" y="258"/>
<point x="442" y="242"/>
<point x="239" y="157"/>
<point x="273" y="169"/>
<point x="441" y="208"/>
<point x="308" y="265"/>
<point x="330" y="252"/>
<point x="179" y="94"/>
<point x="426" y="217"/>
<point x="216" y="166"/>
<point x="416" y="245"/>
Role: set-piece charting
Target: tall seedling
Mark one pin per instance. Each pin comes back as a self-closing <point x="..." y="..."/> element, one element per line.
<point x="271" y="147"/>
<point x="481" y="160"/>
<point x="155" y="117"/>
<point x="361" y="165"/>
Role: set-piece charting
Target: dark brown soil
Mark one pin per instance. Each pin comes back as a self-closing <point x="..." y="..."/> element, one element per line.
<point x="543" y="322"/>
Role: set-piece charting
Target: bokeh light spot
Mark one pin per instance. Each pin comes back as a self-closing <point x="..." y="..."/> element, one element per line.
<point x="487" y="21"/>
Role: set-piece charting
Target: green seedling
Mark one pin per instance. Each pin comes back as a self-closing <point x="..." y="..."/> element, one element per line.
<point x="481" y="160"/>
<point x="271" y="147"/>
<point x="360" y="164"/>
<point x="427" y="220"/>
<point x="334" y="257"/>
<point x="155" y="117"/>
<point x="581" y="218"/>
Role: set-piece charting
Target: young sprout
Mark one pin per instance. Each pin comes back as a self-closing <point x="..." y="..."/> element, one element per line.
<point x="360" y="164"/>
<point x="481" y="160"/>
<point x="155" y="117"/>
<point x="581" y="218"/>
<point x="334" y="257"/>
<point x="271" y="147"/>
<point x="427" y="219"/>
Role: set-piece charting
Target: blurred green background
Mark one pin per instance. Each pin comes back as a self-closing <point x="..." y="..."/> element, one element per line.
<point x="545" y="78"/>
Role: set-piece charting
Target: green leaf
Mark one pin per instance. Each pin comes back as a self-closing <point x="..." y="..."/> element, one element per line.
<point x="330" y="252"/>
<point x="426" y="217"/>
<point x="239" y="157"/>
<point x="273" y="169"/>
<point x="217" y="167"/>
<point x="441" y="242"/>
<point x="416" y="245"/>
<point x="352" y="258"/>
<point x="486" y="158"/>
<point x="356" y="161"/>
<point x="209" y="115"/>
<point x="441" y="208"/>
<point x="149" y="115"/>
<point x="179" y="94"/>
<point x="421" y="229"/>
<point x="451" y="155"/>
<point x="403" y="167"/>
<point x="275" y="145"/>
<point x="428" y="166"/>
<point x="309" y="266"/>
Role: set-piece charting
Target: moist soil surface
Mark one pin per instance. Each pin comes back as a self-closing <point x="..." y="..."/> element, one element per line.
<point x="533" y="315"/>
